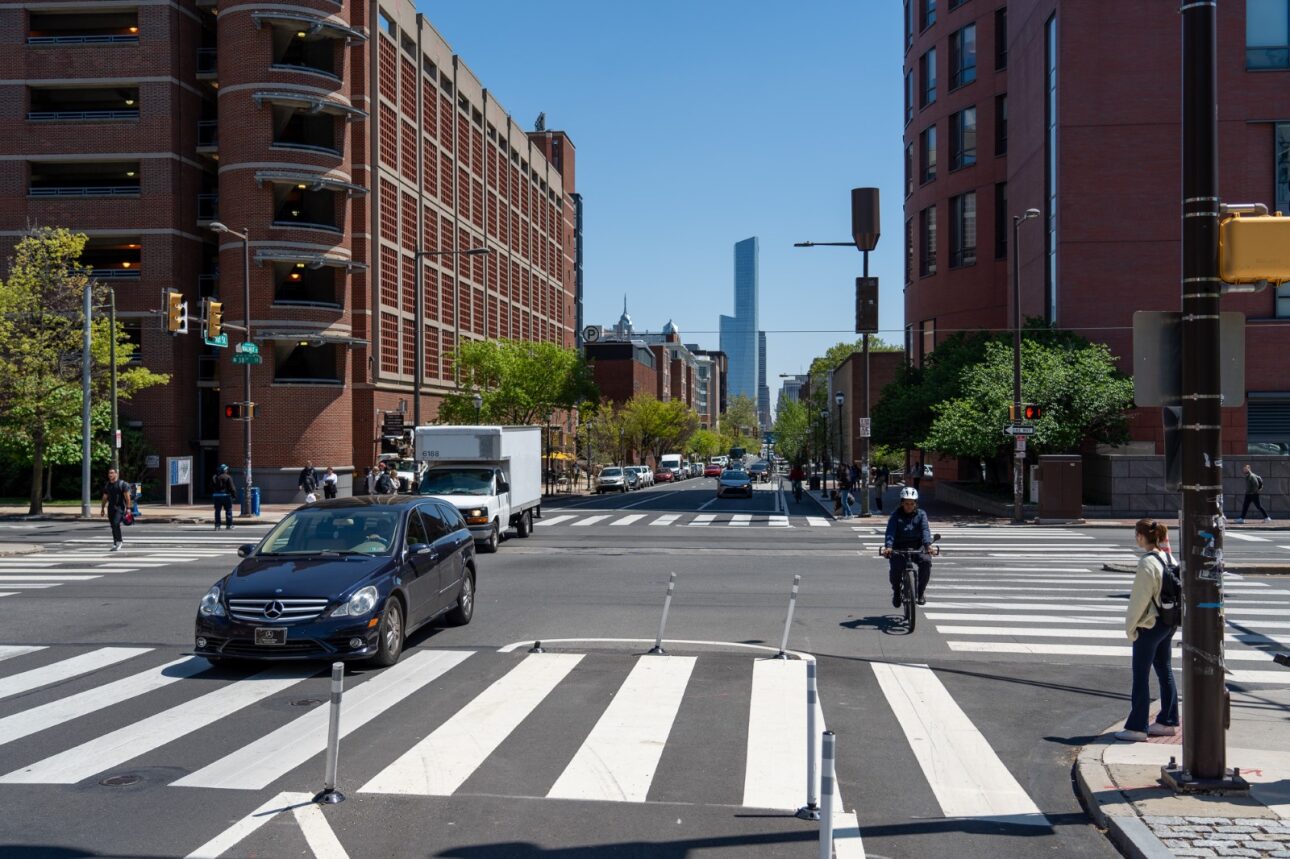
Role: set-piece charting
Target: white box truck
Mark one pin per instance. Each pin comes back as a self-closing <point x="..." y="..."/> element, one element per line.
<point x="672" y="462"/>
<point x="492" y="474"/>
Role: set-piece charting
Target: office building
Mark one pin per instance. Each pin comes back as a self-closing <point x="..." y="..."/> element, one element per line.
<point x="790" y="391"/>
<point x="763" y="389"/>
<point x="343" y="137"/>
<point x="739" y="332"/>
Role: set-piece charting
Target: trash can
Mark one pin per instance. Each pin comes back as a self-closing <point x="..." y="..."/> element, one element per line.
<point x="255" y="501"/>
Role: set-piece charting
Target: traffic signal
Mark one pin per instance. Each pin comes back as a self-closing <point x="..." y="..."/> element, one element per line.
<point x="239" y="411"/>
<point x="214" y="318"/>
<point x="1032" y="412"/>
<point x="1254" y="248"/>
<point x="176" y="312"/>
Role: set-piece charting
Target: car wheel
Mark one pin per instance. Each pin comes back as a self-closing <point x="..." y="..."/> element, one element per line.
<point x="389" y="638"/>
<point x="524" y="527"/>
<point x="490" y="545"/>
<point x="464" y="610"/>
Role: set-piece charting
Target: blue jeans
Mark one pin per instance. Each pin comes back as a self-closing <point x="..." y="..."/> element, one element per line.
<point x="846" y="506"/>
<point x="1153" y="649"/>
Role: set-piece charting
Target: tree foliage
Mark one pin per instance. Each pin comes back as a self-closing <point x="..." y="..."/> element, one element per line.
<point x="792" y="431"/>
<point x="42" y="353"/>
<point x="705" y="444"/>
<point x="658" y="427"/>
<point x="521" y="382"/>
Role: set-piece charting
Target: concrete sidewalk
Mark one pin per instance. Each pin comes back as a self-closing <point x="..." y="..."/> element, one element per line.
<point x="1119" y="783"/>
<point x="148" y="513"/>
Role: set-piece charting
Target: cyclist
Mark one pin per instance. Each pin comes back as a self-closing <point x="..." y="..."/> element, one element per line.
<point x="797" y="475"/>
<point x="908" y="528"/>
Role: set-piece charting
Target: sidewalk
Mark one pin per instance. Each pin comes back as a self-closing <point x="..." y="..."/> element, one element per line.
<point x="269" y="513"/>
<point x="1119" y="783"/>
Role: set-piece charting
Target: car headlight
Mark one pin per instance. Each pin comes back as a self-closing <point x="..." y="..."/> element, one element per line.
<point x="477" y="511"/>
<point x="211" y="604"/>
<point x="361" y="603"/>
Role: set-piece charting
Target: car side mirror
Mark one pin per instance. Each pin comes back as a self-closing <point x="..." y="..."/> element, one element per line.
<point x="245" y="550"/>
<point x="418" y="548"/>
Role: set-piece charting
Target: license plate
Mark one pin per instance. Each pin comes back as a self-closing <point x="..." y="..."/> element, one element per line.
<point x="270" y="636"/>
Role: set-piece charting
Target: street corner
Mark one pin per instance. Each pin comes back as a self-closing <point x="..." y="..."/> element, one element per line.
<point x="10" y="549"/>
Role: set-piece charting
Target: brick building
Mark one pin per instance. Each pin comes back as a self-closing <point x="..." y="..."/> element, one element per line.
<point x="1073" y="108"/>
<point x="344" y="137"/>
<point x="848" y="379"/>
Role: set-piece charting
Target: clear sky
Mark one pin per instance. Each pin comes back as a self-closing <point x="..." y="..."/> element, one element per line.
<point x="698" y="124"/>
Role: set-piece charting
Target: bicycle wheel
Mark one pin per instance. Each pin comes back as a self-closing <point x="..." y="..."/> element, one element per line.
<point x="908" y="598"/>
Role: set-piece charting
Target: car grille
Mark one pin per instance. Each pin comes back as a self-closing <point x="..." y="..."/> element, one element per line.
<point x="291" y="609"/>
<point x="246" y="647"/>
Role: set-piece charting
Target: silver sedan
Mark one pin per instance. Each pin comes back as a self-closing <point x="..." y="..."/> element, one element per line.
<point x="734" y="482"/>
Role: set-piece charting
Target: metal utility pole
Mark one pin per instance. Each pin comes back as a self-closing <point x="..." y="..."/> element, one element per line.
<point x="1204" y="697"/>
<point x="1018" y="451"/>
<point x="245" y="235"/>
<point x="864" y="439"/>
<point x="86" y="358"/>
<point x="116" y="449"/>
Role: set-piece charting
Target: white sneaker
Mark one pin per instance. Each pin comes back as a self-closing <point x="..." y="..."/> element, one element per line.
<point x="1155" y="729"/>
<point x="1267" y="518"/>
<point x="116" y="547"/>
<point x="1130" y="736"/>
<point x="1239" y="521"/>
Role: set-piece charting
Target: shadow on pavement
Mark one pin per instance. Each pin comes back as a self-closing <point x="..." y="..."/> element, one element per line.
<point x="644" y="849"/>
<point x="889" y="624"/>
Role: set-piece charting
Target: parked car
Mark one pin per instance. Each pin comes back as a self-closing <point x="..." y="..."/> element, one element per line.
<point x="346" y="578"/>
<point x="612" y="479"/>
<point x="712" y="470"/>
<point x="663" y="475"/>
<point x="696" y="469"/>
<point x="734" y="481"/>
<point x="644" y="473"/>
<point x="759" y="471"/>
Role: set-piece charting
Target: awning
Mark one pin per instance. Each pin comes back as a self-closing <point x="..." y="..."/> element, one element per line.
<point x="311" y="260"/>
<point x="312" y="181"/>
<point x="309" y="102"/>
<point x="311" y="336"/>
<point x="313" y="25"/>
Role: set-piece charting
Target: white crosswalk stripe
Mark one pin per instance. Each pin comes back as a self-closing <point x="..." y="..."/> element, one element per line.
<point x="736" y="520"/>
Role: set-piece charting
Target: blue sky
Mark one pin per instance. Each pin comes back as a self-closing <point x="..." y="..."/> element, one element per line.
<point x="698" y="124"/>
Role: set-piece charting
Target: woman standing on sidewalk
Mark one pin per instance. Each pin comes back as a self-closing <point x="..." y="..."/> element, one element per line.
<point x="1152" y="640"/>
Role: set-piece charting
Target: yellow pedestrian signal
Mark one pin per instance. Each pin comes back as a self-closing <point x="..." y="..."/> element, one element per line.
<point x="1254" y="248"/>
<point x="214" y="318"/>
<point x="176" y="312"/>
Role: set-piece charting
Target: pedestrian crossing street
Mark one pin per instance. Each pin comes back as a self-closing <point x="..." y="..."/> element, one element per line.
<point x="1043" y="592"/>
<point x="719" y="728"/>
<point x="88" y="558"/>
<point x="615" y="518"/>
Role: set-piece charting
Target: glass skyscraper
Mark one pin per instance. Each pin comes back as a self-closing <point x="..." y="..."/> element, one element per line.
<point x="739" y="332"/>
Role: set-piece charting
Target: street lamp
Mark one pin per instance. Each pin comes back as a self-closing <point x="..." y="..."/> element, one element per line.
<point x="479" y="404"/>
<point x="419" y="341"/>
<point x="245" y="237"/>
<point x="1018" y="452"/>
<point x="826" y="461"/>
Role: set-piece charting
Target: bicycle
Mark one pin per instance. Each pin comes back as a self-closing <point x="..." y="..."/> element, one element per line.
<point x="797" y="491"/>
<point x="909" y="582"/>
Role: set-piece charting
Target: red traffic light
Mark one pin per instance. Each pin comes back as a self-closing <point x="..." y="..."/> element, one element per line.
<point x="1033" y="413"/>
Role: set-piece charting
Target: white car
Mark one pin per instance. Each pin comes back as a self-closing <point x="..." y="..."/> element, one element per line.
<point x="646" y="475"/>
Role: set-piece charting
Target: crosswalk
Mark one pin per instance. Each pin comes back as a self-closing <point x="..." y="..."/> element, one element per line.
<point x="1046" y="594"/>
<point x="81" y="559"/>
<point x="585" y="519"/>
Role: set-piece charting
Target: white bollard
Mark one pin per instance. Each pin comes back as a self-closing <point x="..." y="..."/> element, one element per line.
<point x="657" y="649"/>
<point x="826" y="810"/>
<point x="811" y="811"/>
<point x="792" y="603"/>
<point x="329" y="795"/>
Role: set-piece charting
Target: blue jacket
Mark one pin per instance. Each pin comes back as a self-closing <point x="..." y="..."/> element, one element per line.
<point x="908" y="532"/>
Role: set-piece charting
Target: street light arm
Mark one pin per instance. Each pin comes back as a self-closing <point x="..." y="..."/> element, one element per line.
<point x="824" y="244"/>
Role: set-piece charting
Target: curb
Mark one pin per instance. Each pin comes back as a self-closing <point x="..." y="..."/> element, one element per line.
<point x="1252" y="570"/>
<point x="1118" y="819"/>
<point x="13" y="549"/>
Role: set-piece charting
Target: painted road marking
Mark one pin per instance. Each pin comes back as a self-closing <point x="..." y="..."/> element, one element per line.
<point x="778" y="522"/>
<point x="66" y="669"/>
<point x="740" y="519"/>
<point x="313" y="824"/>
<point x="590" y="520"/>
<point x="1089" y="650"/>
<point x="666" y="519"/>
<point x="9" y="651"/>
<point x="1237" y="535"/>
<point x="117" y="747"/>
<point x="1007" y="618"/>
<point x="817" y="521"/>
<point x="776" y="759"/>
<point x="48" y="577"/>
<point x="964" y="773"/>
<point x="618" y="759"/>
<point x="627" y="520"/>
<point x="554" y="520"/>
<point x="256" y="765"/>
<point x="441" y="762"/>
<point x="1060" y="632"/>
<point x="703" y="519"/>
<point x="28" y="722"/>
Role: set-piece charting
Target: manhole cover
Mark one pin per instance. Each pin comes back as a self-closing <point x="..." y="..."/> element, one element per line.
<point x="306" y="702"/>
<point x="121" y="780"/>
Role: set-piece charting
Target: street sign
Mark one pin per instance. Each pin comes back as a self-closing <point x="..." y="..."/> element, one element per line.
<point x="392" y="425"/>
<point x="221" y="340"/>
<point x="247" y="358"/>
<point x="866" y="425"/>
<point x="1019" y="430"/>
<point x="247" y="347"/>
<point x="152" y="461"/>
<point x="1021" y="444"/>
<point x="1157" y="357"/>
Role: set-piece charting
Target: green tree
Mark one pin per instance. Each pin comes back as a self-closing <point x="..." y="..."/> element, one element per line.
<point x="902" y="415"/>
<point x="705" y="444"/>
<point x="521" y="382"/>
<point x="792" y="431"/>
<point x="42" y="352"/>
<point x="659" y="427"/>
<point x="739" y="424"/>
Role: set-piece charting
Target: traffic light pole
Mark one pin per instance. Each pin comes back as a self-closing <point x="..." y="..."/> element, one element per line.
<point x="1018" y="453"/>
<point x="1204" y="698"/>
<point x="246" y="371"/>
<point x="864" y="439"/>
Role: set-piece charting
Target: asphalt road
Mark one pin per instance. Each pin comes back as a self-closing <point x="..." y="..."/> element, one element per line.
<point x="957" y="739"/>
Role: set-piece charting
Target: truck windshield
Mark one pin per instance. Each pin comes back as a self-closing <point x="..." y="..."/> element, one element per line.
<point x="457" y="481"/>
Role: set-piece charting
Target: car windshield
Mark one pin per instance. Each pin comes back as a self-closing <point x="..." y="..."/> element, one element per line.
<point x="343" y="530"/>
<point x="406" y="465"/>
<point x="758" y="466"/>
<point x="458" y="481"/>
<point x="735" y="475"/>
<point x="612" y="472"/>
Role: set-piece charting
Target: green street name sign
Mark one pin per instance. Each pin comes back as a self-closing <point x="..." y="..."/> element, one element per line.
<point x="221" y="340"/>
<point x="246" y="358"/>
<point x="249" y="348"/>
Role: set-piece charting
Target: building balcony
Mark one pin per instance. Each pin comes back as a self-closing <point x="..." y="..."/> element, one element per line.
<point x="82" y="27"/>
<point x="208" y="135"/>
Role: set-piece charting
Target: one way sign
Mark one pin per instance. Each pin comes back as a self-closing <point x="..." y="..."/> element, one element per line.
<point x="1019" y="429"/>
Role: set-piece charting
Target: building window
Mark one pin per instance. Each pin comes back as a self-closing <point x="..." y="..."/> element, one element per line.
<point x="1001" y="124"/>
<point x="85" y="179"/>
<point x="963" y="230"/>
<point x="1001" y="39"/>
<point x="909" y="96"/>
<point x="302" y="207"/>
<point x="1001" y="220"/>
<point x="909" y="169"/>
<point x="133" y="328"/>
<point x="963" y="56"/>
<point x="963" y="138"/>
<point x="387" y="24"/>
<point x="909" y="251"/>
<point x="927" y="13"/>
<point x="300" y="50"/>
<point x="1050" y="167"/>
<point x="927" y="154"/>
<point x="409" y="45"/>
<point x="82" y="27"/>
<point x="927" y="73"/>
<point x="909" y="24"/>
<point x="300" y="130"/>
<point x="927" y="241"/>
<point x="1267" y="34"/>
<point x="304" y="363"/>
<point x="297" y="283"/>
<point x="954" y="4"/>
<point x="113" y="258"/>
<point x="1268" y="424"/>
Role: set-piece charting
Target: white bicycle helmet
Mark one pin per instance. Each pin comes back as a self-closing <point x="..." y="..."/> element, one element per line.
<point x="909" y="493"/>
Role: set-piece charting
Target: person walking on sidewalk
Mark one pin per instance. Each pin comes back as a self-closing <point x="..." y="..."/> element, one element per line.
<point x="330" y="481"/>
<point x="1152" y="640"/>
<point x="223" y="492"/>
<point x="116" y="503"/>
<point x="844" y="490"/>
<point x="308" y="480"/>
<point x="1253" y="486"/>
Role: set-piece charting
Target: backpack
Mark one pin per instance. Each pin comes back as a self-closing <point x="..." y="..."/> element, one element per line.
<point x="1169" y="606"/>
<point x="1258" y="481"/>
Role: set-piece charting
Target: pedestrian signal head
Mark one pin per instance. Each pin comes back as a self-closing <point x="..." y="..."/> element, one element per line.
<point x="1032" y="412"/>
